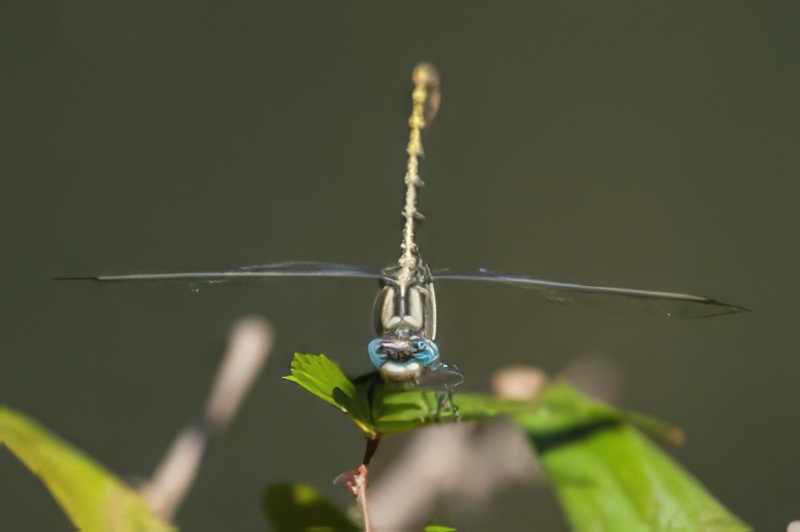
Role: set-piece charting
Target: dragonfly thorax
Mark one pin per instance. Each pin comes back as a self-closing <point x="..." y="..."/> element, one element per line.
<point x="406" y="304"/>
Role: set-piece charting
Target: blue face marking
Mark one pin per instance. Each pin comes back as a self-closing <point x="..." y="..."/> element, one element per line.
<point x="402" y="350"/>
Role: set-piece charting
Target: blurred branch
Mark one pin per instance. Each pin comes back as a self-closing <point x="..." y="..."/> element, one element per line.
<point x="250" y="341"/>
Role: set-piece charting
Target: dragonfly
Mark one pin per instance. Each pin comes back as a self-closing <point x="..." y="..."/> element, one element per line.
<point x="404" y="351"/>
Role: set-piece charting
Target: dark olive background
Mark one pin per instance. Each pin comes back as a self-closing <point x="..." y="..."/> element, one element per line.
<point x="618" y="144"/>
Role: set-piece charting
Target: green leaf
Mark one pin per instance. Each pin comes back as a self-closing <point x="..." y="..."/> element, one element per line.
<point x="608" y="476"/>
<point x="398" y="411"/>
<point x="439" y="528"/>
<point x="655" y="428"/>
<point x="558" y="409"/>
<point x="381" y="410"/>
<point x="91" y="496"/>
<point x="326" y="380"/>
<point x="320" y="376"/>
<point x="301" y="507"/>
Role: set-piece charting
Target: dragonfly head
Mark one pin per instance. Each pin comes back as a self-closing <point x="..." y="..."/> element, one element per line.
<point x="412" y="362"/>
<point x="402" y="358"/>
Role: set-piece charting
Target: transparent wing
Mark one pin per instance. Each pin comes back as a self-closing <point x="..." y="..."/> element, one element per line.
<point x="616" y="300"/>
<point x="252" y="273"/>
<point x="440" y="378"/>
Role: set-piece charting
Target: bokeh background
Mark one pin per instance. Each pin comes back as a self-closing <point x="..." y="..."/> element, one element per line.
<point x="618" y="144"/>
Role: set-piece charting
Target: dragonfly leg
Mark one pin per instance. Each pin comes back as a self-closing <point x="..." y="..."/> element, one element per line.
<point x="444" y="401"/>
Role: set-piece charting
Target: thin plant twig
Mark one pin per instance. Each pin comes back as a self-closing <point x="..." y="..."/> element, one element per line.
<point x="250" y="342"/>
<point x="356" y="483"/>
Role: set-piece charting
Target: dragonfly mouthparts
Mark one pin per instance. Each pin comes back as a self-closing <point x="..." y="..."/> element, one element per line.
<point x="402" y="350"/>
